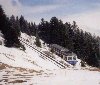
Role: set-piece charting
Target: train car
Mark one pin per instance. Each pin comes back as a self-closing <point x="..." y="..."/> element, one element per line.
<point x="71" y="59"/>
<point x="64" y="53"/>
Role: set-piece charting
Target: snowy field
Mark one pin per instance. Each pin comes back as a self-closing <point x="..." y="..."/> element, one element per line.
<point x="54" y="77"/>
<point x="68" y="77"/>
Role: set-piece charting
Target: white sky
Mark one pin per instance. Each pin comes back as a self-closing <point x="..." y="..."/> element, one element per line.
<point x="89" y="21"/>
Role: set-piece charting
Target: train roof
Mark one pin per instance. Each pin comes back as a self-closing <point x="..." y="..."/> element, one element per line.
<point x="59" y="47"/>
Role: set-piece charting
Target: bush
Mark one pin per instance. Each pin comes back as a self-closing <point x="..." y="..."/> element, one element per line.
<point x="38" y="43"/>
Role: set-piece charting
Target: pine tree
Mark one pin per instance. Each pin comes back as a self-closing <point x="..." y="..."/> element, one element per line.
<point x="24" y="25"/>
<point x="3" y="21"/>
<point x="72" y="37"/>
<point x="38" y="43"/>
<point x="15" y="24"/>
<point x="10" y="34"/>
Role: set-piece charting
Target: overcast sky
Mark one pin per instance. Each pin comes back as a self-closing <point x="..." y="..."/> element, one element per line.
<point x="85" y="12"/>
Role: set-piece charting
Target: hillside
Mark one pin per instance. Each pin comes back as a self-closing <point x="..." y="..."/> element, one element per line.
<point x="52" y="52"/>
<point x="28" y="59"/>
<point x="26" y="67"/>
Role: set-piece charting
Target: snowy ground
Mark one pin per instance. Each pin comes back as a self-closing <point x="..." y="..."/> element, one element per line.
<point x="54" y="77"/>
<point x="27" y="67"/>
<point x="68" y="77"/>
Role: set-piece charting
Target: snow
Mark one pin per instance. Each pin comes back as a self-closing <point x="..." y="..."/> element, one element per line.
<point x="29" y="59"/>
<point x="44" y="64"/>
<point x="52" y="77"/>
<point x="78" y="64"/>
<point x="51" y="74"/>
<point x="68" y="77"/>
<point x="16" y="58"/>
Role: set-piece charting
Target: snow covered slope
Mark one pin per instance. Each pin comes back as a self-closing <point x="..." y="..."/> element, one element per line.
<point x="18" y="67"/>
<point x="31" y="58"/>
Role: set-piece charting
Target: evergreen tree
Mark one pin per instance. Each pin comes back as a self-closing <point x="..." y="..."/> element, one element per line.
<point x="10" y="34"/>
<point x="70" y="36"/>
<point x="32" y="28"/>
<point x="3" y="21"/>
<point x="15" y="24"/>
<point x="38" y="43"/>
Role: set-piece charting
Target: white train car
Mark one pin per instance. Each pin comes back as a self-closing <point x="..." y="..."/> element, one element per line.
<point x="64" y="53"/>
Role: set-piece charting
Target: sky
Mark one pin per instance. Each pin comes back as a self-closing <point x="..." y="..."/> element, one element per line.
<point x="86" y="13"/>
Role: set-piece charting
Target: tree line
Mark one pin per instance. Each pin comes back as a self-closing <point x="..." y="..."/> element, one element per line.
<point x="68" y="35"/>
<point x="12" y="27"/>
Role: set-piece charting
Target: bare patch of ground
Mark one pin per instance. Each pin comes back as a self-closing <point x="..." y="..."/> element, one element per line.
<point x="13" y="75"/>
<point x="17" y="81"/>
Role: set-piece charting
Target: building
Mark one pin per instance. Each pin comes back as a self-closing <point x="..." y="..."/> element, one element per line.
<point x="64" y="53"/>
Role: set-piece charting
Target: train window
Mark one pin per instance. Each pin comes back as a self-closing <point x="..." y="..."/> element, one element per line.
<point x="74" y="58"/>
<point x="69" y="58"/>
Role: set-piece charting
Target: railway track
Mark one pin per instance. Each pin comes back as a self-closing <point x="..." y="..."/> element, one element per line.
<point x="42" y="54"/>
